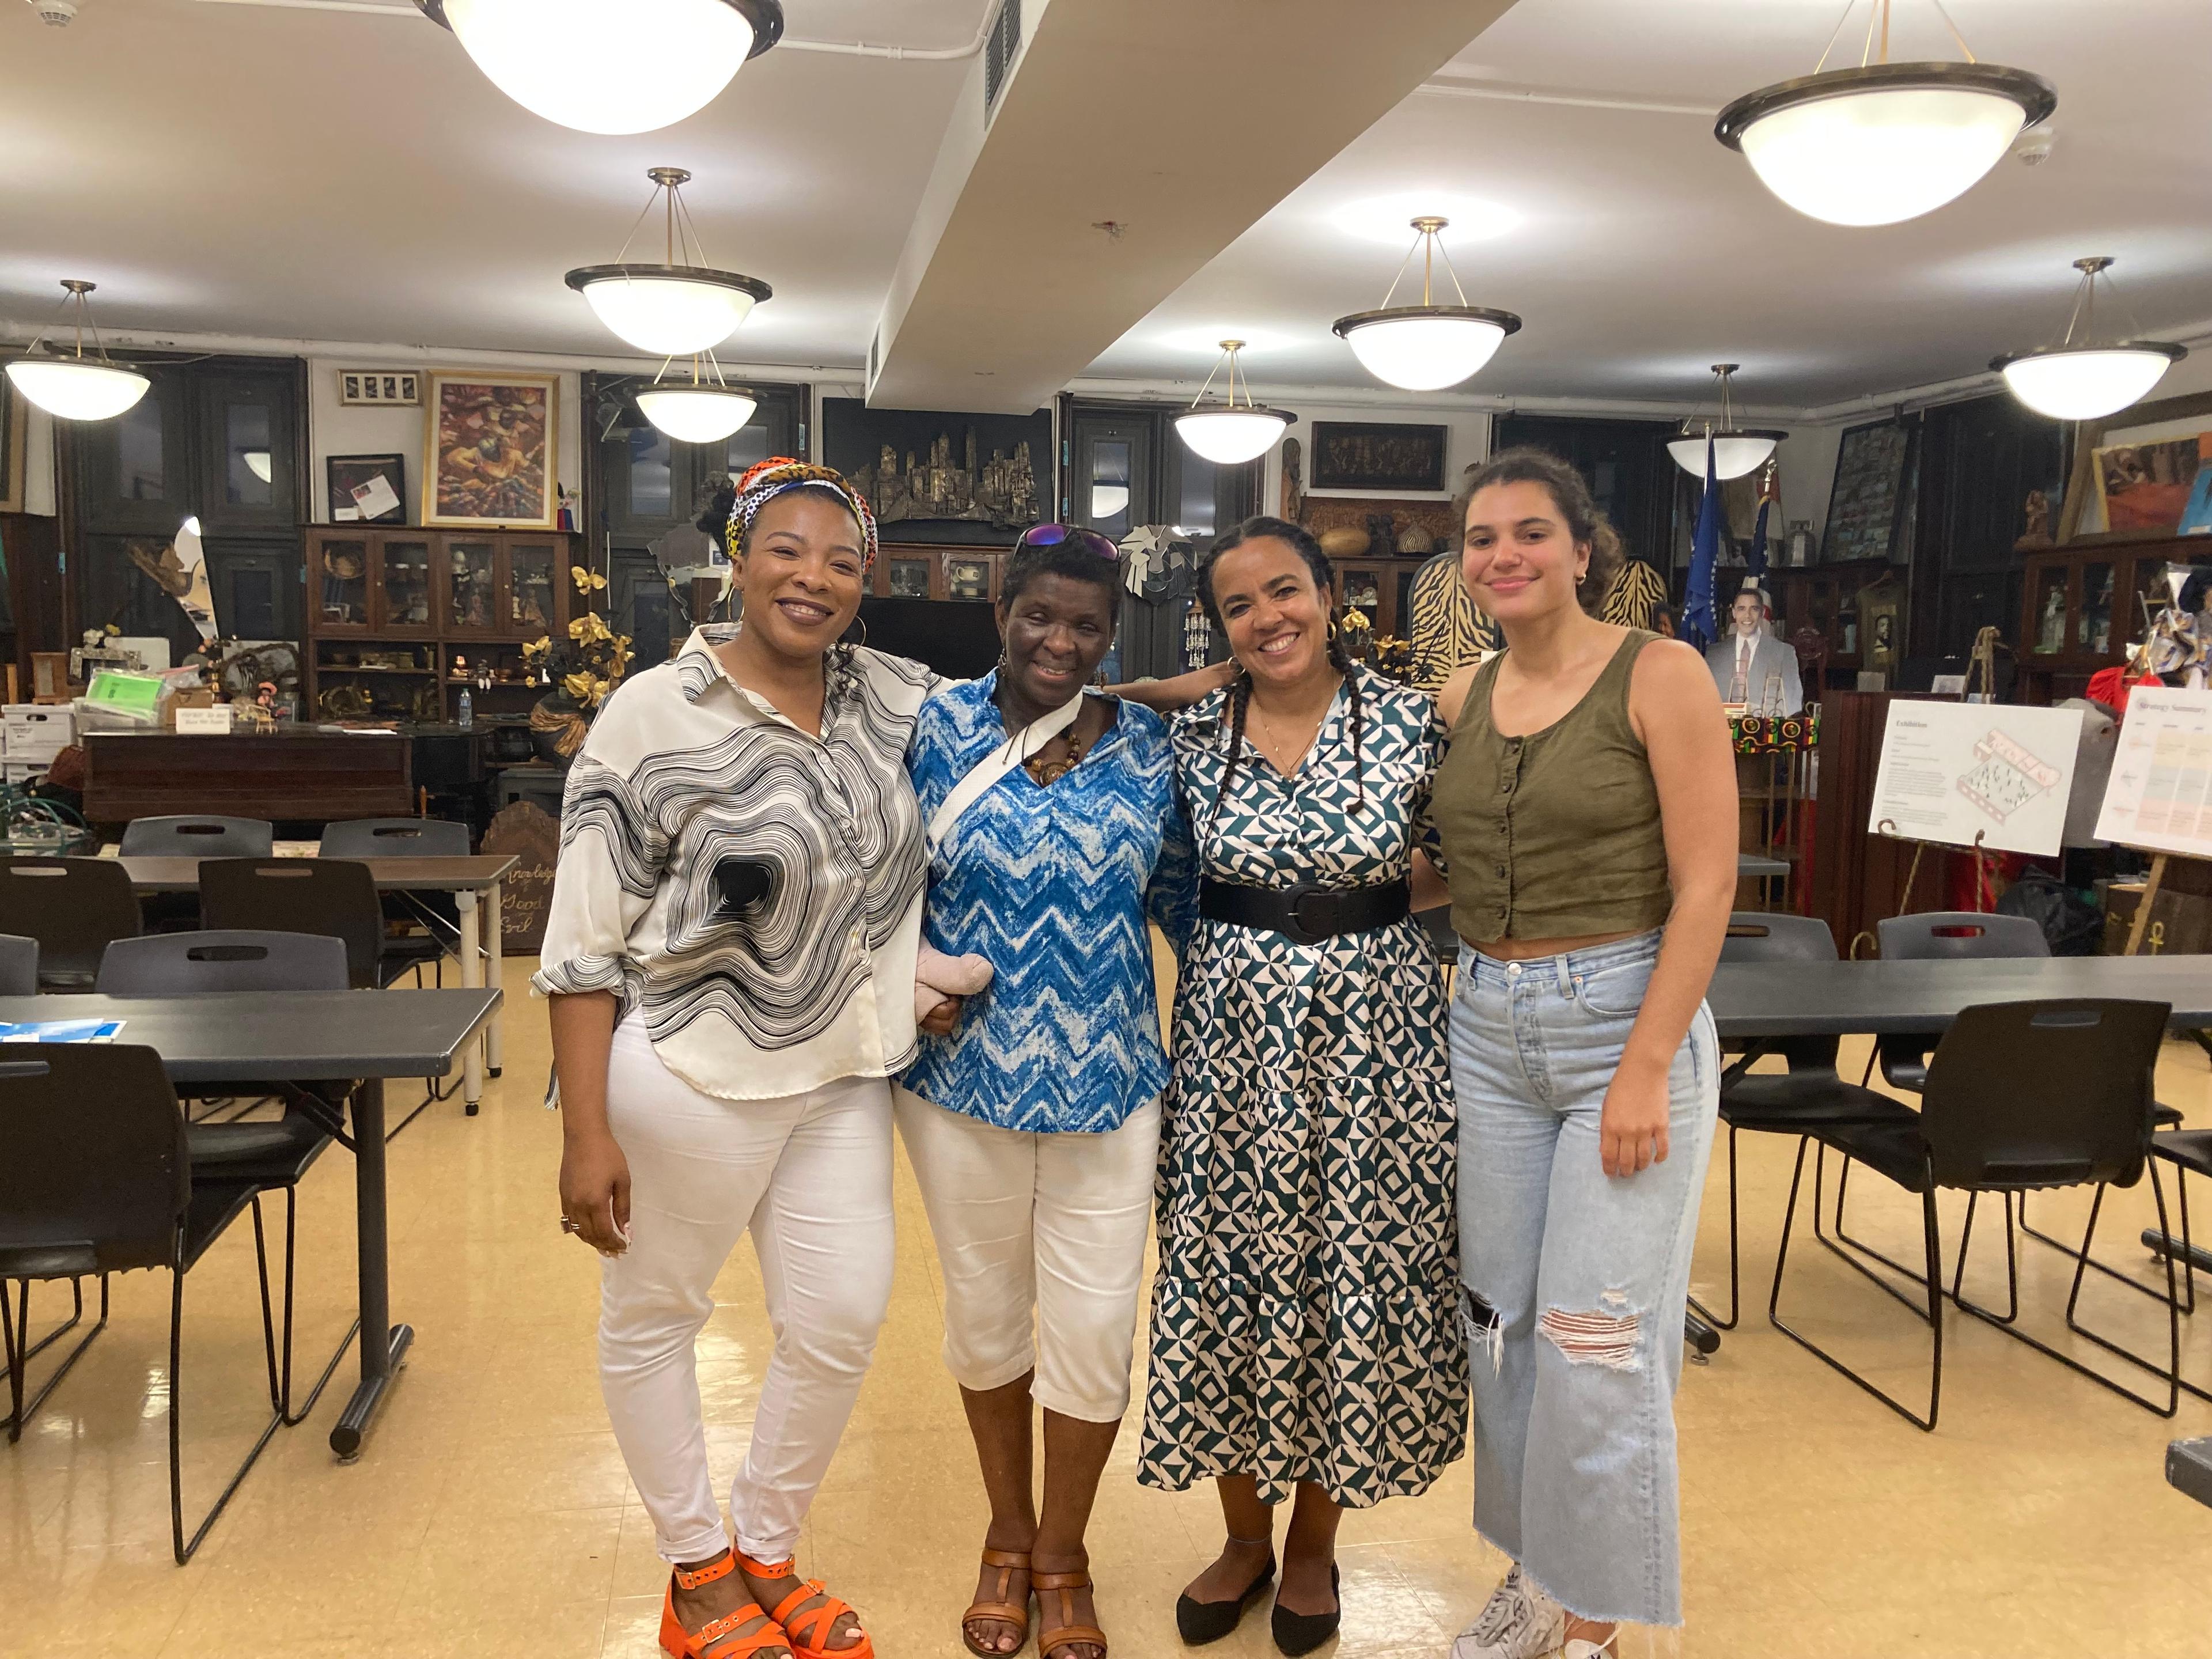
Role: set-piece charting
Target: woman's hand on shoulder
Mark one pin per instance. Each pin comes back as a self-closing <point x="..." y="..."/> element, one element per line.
<point x="1451" y="695"/>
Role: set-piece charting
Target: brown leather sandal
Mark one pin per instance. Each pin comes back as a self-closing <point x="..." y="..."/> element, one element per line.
<point x="1008" y="1562"/>
<point x="1068" y="1633"/>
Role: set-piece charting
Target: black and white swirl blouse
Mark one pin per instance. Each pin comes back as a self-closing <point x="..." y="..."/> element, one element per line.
<point x="752" y="893"/>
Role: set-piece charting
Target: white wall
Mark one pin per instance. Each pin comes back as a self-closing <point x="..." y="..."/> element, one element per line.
<point x="38" y="474"/>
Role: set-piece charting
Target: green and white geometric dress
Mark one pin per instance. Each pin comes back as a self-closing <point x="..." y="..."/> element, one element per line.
<point x="1306" y="1315"/>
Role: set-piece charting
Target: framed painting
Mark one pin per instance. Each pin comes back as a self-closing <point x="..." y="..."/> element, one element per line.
<point x="489" y="449"/>
<point x="14" y="418"/>
<point x="1377" y="455"/>
<point x="1867" y="504"/>
<point x="2081" y="512"/>
<point x="367" y="488"/>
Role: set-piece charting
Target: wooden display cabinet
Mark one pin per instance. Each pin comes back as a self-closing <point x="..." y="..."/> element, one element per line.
<point x="2085" y="606"/>
<point x="919" y="571"/>
<point x="1825" y="597"/>
<point x="408" y="616"/>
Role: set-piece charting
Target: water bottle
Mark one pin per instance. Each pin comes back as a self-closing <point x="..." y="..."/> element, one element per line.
<point x="468" y="712"/>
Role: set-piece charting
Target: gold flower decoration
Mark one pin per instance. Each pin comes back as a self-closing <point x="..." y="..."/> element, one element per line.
<point x="588" y="580"/>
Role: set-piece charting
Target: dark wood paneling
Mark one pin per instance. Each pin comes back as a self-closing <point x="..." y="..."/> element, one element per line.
<point x="297" y="775"/>
<point x="1979" y="460"/>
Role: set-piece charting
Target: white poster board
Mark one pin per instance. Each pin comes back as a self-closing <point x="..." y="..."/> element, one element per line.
<point x="2160" y="797"/>
<point x="1950" y="770"/>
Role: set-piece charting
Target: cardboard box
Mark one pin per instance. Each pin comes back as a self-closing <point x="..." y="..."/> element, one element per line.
<point x="35" y="732"/>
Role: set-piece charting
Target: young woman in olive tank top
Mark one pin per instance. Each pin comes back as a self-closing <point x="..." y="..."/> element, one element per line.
<point x="1587" y="812"/>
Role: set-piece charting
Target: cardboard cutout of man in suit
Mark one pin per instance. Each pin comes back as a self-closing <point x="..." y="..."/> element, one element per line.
<point x="1742" y="662"/>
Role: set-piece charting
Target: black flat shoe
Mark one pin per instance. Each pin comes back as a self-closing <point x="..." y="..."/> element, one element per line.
<point x="1302" y="1632"/>
<point x="1200" y="1622"/>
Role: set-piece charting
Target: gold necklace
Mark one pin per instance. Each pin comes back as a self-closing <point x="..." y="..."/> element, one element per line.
<point x="1275" y="737"/>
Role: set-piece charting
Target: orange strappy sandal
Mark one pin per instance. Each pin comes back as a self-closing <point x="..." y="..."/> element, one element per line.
<point x="807" y="1633"/>
<point x="1068" y="1633"/>
<point x="717" y="1640"/>
<point x="1008" y="1562"/>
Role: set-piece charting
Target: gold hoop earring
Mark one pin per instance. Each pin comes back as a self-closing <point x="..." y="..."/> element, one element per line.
<point x="861" y="622"/>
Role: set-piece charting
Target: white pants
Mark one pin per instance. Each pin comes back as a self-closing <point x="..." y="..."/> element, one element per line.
<point x="1037" y="1230"/>
<point x="810" y="1177"/>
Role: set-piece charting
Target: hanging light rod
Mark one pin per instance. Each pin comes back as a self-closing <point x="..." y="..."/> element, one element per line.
<point x="75" y="387"/>
<point x="610" y="66"/>
<point x="1883" y="141"/>
<point x="1736" y="450"/>
<point x="677" y="307"/>
<point x="1427" y="347"/>
<point x="2079" y="379"/>
<point x="1228" y="433"/>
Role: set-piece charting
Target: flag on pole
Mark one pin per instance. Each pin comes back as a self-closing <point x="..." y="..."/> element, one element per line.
<point x="1699" y="626"/>
<point x="1755" y="560"/>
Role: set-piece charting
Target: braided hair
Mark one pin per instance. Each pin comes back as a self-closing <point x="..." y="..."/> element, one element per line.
<point x="1300" y="541"/>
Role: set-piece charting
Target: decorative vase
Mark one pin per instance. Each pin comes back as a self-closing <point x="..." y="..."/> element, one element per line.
<point x="557" y="728"/>
<point x="1346" y="543"/>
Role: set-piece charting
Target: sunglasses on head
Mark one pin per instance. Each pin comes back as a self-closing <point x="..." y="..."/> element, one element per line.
<point x="1053" y="534"/>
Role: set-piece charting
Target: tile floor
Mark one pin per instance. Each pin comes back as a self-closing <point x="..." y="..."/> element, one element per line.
<point x="490" y="1514"/>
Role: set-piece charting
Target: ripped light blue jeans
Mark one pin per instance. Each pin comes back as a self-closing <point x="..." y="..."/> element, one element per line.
<point x="1579" y="1278"/>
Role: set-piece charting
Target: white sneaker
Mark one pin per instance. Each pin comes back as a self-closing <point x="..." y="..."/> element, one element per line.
<point x="1519" y="1621"/>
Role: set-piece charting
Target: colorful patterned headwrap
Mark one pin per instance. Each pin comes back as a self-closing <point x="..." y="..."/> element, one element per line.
<point x="766" y="480"/>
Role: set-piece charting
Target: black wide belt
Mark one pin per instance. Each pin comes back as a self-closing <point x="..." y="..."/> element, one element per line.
<point x="1306" y="914"/>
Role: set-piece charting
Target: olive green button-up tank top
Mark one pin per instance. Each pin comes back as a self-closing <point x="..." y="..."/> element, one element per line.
<point x="1555" y="835"/>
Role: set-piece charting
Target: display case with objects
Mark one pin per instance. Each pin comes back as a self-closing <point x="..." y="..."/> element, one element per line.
<point x="402" y="621"/>
<point x="2084" y="606"/>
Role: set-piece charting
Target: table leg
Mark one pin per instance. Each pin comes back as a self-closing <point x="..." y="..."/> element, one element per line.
<point x="494" y="926"/>
<point x="472" y="978"/>
<point x="383" y="1344"/>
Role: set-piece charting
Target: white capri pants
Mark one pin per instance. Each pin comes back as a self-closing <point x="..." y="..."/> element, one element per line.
<point x="1042" y="1238"/>
<point x="810" y="1176"/>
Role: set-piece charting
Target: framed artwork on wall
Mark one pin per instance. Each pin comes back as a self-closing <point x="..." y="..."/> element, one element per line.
<point x="2082" y="514"/>
<point x="1868" y="501"/>
<point x="947" y="478"/>
<point x="378" y="387"/>
<point x="367" y="488"/>
<point x="15" y="416"/>
<point x="490" y="450"/>
<point x="1377" y="455"/>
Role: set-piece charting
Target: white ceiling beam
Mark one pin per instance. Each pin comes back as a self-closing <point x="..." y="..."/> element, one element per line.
<point x="1177" y="123"/>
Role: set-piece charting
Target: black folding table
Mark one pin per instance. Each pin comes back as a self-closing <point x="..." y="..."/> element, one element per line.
<point x="308" y="1037"/>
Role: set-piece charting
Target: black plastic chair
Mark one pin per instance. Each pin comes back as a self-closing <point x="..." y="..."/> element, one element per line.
<point x="96" y="1179"/>
<point x="73" y="907"/>
<point x="19" y="966"/>
<point x="434" y="913"/>
<point x="1807" y="1096"/>
<point x="198" y="835"/>
<point x="1944" y="936"/>
<point x="2020" y="1096"/>
<point x="333" y="896"/>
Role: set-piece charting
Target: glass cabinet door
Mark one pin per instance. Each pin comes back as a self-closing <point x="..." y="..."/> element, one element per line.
<point x="2094" y="629"/>
<point x="2047" y="611"/>
<point x="471" y="586"/>
<point x="341" y="573"/>
<point x="404" y="589"/>
<point x="531" y="607"/>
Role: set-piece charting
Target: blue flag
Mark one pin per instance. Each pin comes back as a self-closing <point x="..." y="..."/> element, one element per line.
<point x="1699" y="626"/>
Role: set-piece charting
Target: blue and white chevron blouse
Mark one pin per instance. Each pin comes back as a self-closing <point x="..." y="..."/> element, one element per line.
<point x="1053" y="885"/>
<point x="752" y="892"/>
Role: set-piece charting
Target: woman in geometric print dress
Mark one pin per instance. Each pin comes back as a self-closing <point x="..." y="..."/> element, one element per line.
<point x="1306" y="1339"/>
<point x="1034" y="1125"/>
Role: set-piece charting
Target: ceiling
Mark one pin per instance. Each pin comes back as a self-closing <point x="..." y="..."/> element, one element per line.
<point x="175" y="151"/>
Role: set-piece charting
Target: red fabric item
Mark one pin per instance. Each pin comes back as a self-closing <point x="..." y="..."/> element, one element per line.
<point x="2110" y="686"/>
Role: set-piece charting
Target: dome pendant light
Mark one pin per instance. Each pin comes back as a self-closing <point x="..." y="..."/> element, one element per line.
<point x="1883" y="141"/>
<point x="610" y="66"/>
<point x="2083" y="380"/>
<point x="1736" y="450"/>
<point x="1228" y="433"/>
<point x="76" y="387"/>
<point x="1427" y="347"/>
<point x="704" y="412"/>
<point x="676" y="309"/>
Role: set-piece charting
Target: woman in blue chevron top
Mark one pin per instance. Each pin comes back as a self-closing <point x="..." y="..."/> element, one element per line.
<point x="1034" y="1127"/>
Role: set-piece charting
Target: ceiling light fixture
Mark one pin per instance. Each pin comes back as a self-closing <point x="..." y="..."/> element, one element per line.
<point x="677" y="308"/>
<point x="76" y="387"/>
<point x="2078" y="379"/>
<point x="258" y="463"/>
<point x="1427" y="347"/>
<point x="1883" y="141"/>
<point x="610" y="66"/>
<point x="704" y="412"/>
<point x="1228" y="433"/>
<point x="1736" y="450"/>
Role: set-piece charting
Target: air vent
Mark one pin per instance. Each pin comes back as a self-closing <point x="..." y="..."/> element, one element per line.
<point x="999" y="53"/>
